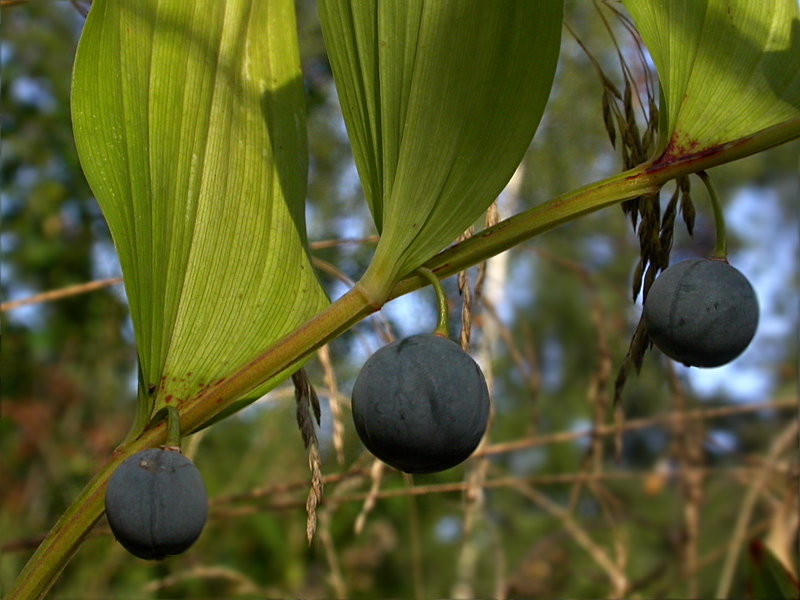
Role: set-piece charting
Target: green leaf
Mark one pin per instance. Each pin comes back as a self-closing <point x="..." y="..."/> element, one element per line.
<point x="728" y="68"/>
<point x="189" y="120"/>
<point x="441" y="101"/>
<point x="767" y="577"/>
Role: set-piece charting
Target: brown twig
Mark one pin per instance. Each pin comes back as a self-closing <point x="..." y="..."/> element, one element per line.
<point x="742" y="474"/>
<point x="617" y="577"/>
<point x="243" y="585"/>
<point x="522" y="365"/>
<point x="284" y="488"/>
<point x="72" y="290"/>
<point x="598" y="382"/>
<point x="496" y="483"/>
<point x="634" y="425"/>
<point x="415" y="549"/>
<point x="324" y="244"/>
<point x="329" y="379"/>
<point x="82" y="10"/>
<point x="687" y="450"/>
<point x="501" y="578"/>
<point x="379" y="322"/>
<point x="375" y="475"/>
<point x="778" y="446"/>
<point x="466" y="300"/>
<point x="90" y="286"/>
<point x="704" y="561"/>
<point x="468" y="555"/>
<point x="335" y="577"/>
<point x="473" y="509"/>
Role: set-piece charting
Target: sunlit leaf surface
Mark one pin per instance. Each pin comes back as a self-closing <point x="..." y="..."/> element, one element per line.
<point x="441" y="100"/>
<point x="728" y="68"/>
<point x="189" y="120"/>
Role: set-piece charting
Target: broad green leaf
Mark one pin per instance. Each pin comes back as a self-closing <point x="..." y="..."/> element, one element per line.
<point x="767" y="577"/>
<point x="441" y="100"/>
<point x="189" y="120"/>
<point x="728" y="68"/>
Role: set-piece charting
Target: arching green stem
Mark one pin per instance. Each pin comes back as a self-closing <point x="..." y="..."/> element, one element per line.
<point x="173" y="427"/>
<point x="55" y="551"/>
<point x="721" y="246"/>
<point x="441" y="303"/>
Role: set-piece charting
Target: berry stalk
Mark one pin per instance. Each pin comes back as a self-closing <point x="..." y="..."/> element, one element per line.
<point x="721" y="246"/>
<point x="442" y="323"/>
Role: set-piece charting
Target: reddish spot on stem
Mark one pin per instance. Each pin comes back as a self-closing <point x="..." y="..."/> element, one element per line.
<point x="681" y="145"/>
<point x="686" y="151"/>
<point x="756" y="551"/>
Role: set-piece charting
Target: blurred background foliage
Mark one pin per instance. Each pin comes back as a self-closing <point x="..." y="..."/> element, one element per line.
<point x="546" y="511"/>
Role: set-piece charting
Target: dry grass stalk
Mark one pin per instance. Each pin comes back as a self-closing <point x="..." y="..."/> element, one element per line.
<point x="686" y="450"/>
<point x="466" y="299"/>
<point x="315" y="493"/>
<point x="343" y="485"/>
<point x="241" y="584"/>
<point x="329" y="379"/>
<point x="787" y="439"/>
<point x="379" y="322"/>
<point x="474" y="501"/>
<point x="416" y="542"/>
<point x="308" y="411"/>
<point x="375" y="475"/>
<point x="522" y="363"/>
<point x="636" y="424"/>
<point x="617" y="578"/>
<point x="596" y="393"/>
<point x="335" y="577"/>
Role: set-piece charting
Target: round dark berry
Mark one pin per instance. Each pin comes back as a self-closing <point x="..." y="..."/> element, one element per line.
<point x="421" y="404"/>
<point x="701" y="312"/>
<point x="156" y="503"/>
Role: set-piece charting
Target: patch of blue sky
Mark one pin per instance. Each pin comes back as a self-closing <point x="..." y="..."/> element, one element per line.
<point x="581" y="425"/>
<point x="413" y="313"/>
<point x="34" y="92"/>
<point x="336" y="124"/>
<point x="70" y="213"/>
<point x="25" y="178"/>
<point x="448" y="529"/>
<point x="552" y="365"/>
<point x="349" y="184"/>
<point x="8" y="242"/>
<point x="721" y="442"/>
<point x="603" y="165"/>
<point x="523" y="272"/>
<point x="312" y="221"/>
<point x="351" y="226"/>
<point x="597" y="250"/>
<point x="105" y="265"/>
<point x="30" y="316"/>
<point x="6" y="53"/>
<point x="529" y="460"/>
